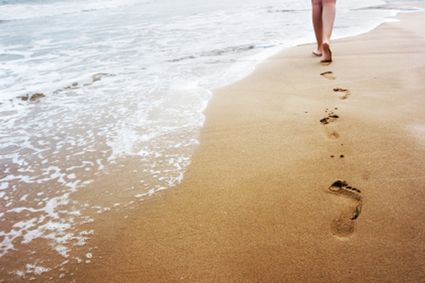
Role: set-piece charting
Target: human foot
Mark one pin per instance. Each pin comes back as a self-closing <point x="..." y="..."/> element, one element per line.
<point x="317" y="52"/>
<point x="327" y="53"/>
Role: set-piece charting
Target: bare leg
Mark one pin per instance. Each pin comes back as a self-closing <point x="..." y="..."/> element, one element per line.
<point x="318" y="26"/>
<point x="328" y="19"/>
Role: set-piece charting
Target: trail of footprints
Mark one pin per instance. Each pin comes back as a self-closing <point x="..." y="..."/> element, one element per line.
<point x="343" y="225"/>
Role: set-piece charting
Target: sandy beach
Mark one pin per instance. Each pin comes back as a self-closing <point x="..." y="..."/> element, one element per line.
<point x="304" y="173"/>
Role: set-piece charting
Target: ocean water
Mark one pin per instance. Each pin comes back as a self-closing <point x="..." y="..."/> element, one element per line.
<point x="120" y="79"/>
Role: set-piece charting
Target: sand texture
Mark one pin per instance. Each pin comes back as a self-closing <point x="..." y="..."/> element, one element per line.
<point x="305" y="173"/>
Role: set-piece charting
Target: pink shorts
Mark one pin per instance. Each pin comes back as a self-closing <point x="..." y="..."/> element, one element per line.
<point x="322" y="1"/>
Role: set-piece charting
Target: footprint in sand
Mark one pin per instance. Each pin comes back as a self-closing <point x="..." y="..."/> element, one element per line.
<point x="344" y="93"/>
<point x="331" y="117"/>
<point x="328" y="75"/>
<point x="344" y="224"/>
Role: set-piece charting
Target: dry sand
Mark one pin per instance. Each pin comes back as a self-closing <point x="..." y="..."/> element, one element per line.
<point x="255" y="204"/>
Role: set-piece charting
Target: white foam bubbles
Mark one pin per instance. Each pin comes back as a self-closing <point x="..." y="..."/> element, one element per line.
<point x="4" y="185"/>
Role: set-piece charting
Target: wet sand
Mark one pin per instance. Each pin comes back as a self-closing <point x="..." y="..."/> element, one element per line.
<point x="299" y="177"/>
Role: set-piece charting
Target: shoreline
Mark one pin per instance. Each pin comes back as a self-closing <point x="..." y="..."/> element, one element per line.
<point x="256" y="204"/>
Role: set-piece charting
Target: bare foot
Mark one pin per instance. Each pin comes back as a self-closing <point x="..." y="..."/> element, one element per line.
<point x="327" y="53"/>
<point x="317" y="53"/>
